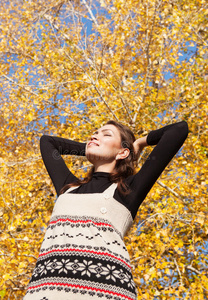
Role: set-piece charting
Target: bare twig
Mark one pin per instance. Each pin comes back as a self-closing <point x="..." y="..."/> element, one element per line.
<point x="147" y="50"/>
<point x="122" y="100"/>
<point x="170" y="190"/>
<point x="20" y="85"/>
<point x="179" y="272"/>
<point x="91" y="80"/>
<point x="193" y="269"/>
<point x="90" y="12"/>
<point x="27" y="255"/>
<point x="14" y="163"/>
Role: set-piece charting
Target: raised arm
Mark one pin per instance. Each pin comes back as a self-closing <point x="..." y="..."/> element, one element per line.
<point x="168" y="139"/>
<point x="51" y="150"/>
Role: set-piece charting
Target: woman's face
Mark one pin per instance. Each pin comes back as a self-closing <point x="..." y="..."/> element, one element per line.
<point x="104" y="144"/>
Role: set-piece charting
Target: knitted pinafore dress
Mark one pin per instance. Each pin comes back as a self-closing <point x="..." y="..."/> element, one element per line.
<point x="83" y="255"/>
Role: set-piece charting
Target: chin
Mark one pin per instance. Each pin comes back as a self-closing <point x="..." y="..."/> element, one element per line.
<point x="92" y="156"/>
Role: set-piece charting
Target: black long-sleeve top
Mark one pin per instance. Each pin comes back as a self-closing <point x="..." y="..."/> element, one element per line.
<point x="168" y="141"/>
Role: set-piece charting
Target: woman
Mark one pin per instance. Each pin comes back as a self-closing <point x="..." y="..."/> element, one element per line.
<point x="83" y="255"/>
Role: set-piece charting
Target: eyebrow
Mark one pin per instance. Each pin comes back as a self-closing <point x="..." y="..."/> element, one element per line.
<point x="104" y="130"/>
<point x="107" y="130"/>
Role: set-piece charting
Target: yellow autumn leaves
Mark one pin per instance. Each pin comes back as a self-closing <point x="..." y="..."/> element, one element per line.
<point x="66" y="68"/>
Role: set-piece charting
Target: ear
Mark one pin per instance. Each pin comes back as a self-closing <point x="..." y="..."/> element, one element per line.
<point x="123" y="153"/>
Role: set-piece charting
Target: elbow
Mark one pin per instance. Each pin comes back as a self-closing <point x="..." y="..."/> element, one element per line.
<point x="43" y="137"/>
<point x="44" y="140"/>
<point x="183" y="130"/>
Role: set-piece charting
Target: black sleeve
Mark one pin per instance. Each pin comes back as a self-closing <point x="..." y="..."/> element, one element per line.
<point x="51" y="150"/>
<point x="168" y="139"/>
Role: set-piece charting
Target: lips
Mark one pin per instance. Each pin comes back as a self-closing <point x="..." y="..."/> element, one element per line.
<point x="92" y="143"/>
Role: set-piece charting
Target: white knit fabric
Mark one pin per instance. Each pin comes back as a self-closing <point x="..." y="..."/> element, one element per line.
<point x="83" y="255"/>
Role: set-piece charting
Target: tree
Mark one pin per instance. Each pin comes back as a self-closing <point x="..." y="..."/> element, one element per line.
<point x="67" y="67"/>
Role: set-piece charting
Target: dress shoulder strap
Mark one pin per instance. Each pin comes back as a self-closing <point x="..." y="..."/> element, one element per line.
<point x="71" y="189"/>
<point x="111" y="189"/>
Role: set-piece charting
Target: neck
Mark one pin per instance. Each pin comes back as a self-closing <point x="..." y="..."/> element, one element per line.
<point x="107" y="168"/>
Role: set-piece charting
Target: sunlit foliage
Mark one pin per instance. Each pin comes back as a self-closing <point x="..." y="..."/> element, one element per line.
<point x="67" y="67"/>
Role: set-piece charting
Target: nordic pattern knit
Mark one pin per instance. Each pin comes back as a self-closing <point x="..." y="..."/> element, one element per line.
<point x="83" y="255"/>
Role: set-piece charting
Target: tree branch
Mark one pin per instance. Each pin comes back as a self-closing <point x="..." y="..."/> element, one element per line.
<point x="90" y="12"/>
<point x="179" y="272"/>
<point x="170" y="190"/>
<point x="157" y="4"/>
<point x="22" y="86"/>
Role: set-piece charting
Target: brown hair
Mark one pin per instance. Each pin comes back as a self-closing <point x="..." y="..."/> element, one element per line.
<point x="124" y="167"/>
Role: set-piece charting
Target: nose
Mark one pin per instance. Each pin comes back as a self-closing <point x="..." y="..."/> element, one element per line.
<point x="94" y="137"/>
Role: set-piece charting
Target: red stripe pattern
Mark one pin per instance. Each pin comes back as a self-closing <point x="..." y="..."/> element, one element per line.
<point x="82" y="258"/>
